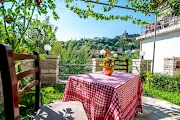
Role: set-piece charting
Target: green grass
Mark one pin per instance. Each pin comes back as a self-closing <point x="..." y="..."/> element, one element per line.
<point x="48" y="95"/>
<point x="173" y="97"/>
<point x="56" y="94"/>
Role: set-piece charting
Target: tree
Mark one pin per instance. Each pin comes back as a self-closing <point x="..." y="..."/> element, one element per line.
<point x="117" y="44"/>
<point x="114" y="48"/>
<point x="41" y="33"/>
<point x="58" y="49"/>
<point x="16" y="20"/>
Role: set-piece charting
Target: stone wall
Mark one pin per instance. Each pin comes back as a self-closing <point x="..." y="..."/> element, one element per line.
<point x="172" y="65"/>
<point x="139" y="66"/>
<point x="50" y="69"/>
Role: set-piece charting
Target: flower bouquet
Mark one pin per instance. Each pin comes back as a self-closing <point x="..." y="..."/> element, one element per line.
<point x="108" y="61"/>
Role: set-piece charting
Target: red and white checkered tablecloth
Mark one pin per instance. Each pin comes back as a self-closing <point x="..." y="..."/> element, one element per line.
<point x="116" y="97"/>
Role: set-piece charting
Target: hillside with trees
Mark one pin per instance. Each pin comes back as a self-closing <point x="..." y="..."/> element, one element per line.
<point x="91" y="47"/>
<point x="82" y="51"/>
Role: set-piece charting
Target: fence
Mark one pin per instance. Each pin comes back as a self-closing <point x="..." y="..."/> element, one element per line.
<point x="66" y="70"/>
<point x="160" y="24"/>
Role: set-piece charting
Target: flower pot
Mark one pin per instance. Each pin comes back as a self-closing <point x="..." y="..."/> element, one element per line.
<point x="108" y="70"/>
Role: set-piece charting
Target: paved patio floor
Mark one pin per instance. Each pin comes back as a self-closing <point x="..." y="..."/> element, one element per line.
<point x="157" y="109"/>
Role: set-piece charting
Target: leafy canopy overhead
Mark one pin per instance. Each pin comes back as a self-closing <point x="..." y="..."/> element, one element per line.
<point x="145" y="6"/>
<point x="17" y="19"/>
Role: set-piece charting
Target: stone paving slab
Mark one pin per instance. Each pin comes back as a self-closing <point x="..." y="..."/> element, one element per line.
<point x="158" y="109"/>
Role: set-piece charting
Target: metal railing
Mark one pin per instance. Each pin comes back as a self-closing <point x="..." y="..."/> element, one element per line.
<point x="66" y="70"/>
<point x="160" y="24"/>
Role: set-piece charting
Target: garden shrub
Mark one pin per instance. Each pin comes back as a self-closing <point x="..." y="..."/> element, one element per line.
<point x="143" y="76"/>
<point x="161" y="81"/>
<point x="166" y="82"/>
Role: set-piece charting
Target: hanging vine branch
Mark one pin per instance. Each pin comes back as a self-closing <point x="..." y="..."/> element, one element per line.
<point x="17" y="18"/>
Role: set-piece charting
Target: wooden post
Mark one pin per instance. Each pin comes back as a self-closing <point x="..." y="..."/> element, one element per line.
<point x="37" y="77"/>
<point x="9" y="82"/>
<point x="127" y="65"/>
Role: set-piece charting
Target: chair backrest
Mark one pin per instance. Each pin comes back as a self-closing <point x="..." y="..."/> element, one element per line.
<point x="10" y="81"/>
<point x="121" y="65"/>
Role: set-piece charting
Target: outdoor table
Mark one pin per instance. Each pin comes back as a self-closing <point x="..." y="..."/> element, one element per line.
<point x="115" y="97"/>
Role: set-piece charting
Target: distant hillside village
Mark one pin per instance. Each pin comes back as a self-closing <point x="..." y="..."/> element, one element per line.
<point x="123" y="44"/>
<point x="124" y="35"/>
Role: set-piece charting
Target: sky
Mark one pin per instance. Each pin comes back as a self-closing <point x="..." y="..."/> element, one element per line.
<point x="71" y="26"/>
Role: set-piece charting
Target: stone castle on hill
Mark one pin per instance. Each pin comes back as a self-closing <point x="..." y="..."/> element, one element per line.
<point x="126" y="35"/>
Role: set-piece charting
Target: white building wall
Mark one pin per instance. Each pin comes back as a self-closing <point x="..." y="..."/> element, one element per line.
<point x="167" y="45"/>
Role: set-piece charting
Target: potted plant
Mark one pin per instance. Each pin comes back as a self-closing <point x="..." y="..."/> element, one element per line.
<point x="108" y="61"/>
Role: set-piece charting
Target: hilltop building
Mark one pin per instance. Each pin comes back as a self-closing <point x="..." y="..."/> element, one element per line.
<point x="97" y="38"/>
<point x="126" y="35"/>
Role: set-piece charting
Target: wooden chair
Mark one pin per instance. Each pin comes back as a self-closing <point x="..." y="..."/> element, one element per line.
<point x="121" y="65"/>
<point x="58" y="110"/>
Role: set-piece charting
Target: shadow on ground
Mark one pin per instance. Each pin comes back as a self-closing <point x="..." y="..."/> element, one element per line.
<point x="157" y="109"/>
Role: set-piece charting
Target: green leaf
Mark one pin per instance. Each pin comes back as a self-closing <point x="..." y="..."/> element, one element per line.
<point x="46" y="26"/>
<point x="48" y="89"/>
<point x="9" y="11"/>
<point x="42" y="56"/>
<point x="21" y="105"/>
<point x="67" y="5"/>
<point x="17" y="10"/>
<point x="101" y="64"/>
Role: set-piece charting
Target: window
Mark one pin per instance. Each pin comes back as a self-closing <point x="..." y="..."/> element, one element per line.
<point x="178" y="64"/>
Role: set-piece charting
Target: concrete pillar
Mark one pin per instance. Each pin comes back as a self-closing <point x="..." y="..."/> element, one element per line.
<point x="141" y="44"/>
<point x="172" y="65"/>
<point x="50" y="69"/>
<point x="96" y="62"/>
